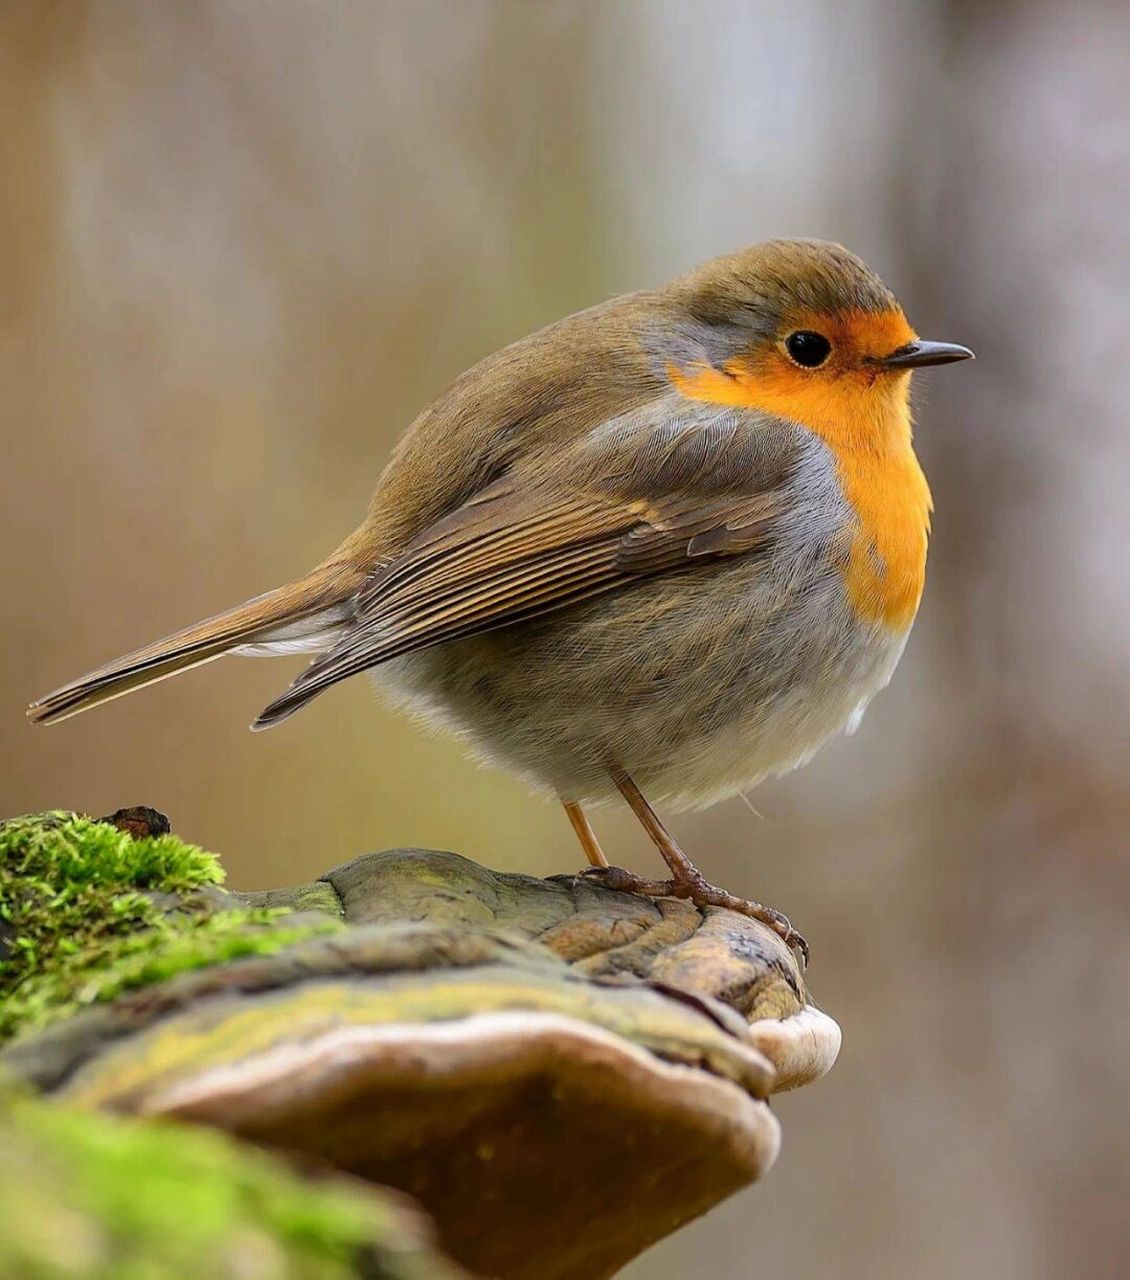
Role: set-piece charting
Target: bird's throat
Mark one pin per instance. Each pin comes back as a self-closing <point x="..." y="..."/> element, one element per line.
<point x="865" y="422"/>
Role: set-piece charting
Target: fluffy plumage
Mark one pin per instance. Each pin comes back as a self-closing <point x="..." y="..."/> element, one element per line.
<point x="641" y="537"/>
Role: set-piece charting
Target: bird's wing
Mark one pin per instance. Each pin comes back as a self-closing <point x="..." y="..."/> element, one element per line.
<point x="648" y="495"/>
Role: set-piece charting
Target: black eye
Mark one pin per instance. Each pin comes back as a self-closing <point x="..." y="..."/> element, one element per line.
<point x="808" y="349"/>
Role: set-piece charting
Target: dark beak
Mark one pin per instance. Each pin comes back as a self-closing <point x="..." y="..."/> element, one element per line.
<point x="918" y="354"/>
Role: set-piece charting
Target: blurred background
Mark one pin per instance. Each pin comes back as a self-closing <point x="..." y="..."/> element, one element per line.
<point x="241" y="245"/>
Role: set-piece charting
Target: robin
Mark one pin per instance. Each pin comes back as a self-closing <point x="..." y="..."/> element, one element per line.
<point x="665" y="547"/>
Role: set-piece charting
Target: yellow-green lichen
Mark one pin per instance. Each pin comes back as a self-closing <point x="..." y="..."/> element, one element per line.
<point x="85" y="1196"/>
<point x="88" y="912"/>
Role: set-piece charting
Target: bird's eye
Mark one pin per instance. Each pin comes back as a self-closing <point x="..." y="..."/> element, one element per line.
<point x="808" y="349"/>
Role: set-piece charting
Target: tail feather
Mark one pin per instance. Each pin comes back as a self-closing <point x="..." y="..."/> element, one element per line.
<point x="246" y="626"/>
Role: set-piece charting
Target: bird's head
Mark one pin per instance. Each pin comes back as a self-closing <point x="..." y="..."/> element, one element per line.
<point x="802" y="329"/>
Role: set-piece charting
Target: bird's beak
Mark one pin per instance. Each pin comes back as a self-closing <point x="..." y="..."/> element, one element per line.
<point x="917" y="354"/>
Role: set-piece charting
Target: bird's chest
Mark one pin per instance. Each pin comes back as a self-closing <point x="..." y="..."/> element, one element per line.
<point x="885" y="568"/>
<point x="865" y="434"/>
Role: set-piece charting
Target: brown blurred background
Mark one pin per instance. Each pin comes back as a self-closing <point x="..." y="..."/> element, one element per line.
<point x="242" y="244"/>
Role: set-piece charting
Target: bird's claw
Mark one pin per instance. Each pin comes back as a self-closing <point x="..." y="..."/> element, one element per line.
<point x="697" y="889"/>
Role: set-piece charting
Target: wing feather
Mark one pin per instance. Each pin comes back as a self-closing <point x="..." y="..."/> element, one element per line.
<point x="528" y="545"/>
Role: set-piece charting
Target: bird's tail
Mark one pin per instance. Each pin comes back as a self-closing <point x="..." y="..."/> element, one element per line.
<point x="304" y="615"/>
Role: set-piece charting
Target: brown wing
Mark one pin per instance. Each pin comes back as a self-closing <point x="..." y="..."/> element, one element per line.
<point x="565" y="530"/>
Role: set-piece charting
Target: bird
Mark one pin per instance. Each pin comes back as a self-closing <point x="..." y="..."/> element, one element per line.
<point x="661" y="549"/>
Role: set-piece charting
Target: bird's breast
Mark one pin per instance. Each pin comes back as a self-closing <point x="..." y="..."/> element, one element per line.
<point x="886" y="568"/>
<point x="867" y="429"/>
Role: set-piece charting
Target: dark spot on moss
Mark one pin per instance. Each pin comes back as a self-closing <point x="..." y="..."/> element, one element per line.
<point x="88" y="911"/>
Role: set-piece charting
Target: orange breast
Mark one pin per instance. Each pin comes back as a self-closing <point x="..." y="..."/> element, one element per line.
<point x="865" y="420"/>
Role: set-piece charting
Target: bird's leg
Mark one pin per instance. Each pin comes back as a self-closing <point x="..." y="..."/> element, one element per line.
<point x="585" y="834"/>
<point x="686" y="879"/>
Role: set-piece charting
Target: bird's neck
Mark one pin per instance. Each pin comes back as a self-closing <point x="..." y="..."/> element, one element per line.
<point x="867" y="427"/>
<point x="884" y="483"/>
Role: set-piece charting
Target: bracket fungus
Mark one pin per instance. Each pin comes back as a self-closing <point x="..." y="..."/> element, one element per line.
<point x="559" y="1074"/>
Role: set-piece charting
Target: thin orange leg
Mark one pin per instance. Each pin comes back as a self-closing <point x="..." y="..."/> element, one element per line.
<point x="686" y="879"/>
<point x="585" y="834"/>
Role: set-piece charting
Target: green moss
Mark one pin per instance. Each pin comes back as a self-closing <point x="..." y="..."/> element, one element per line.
<point x="91" y="1197"/>
<point x="81" y="920"/>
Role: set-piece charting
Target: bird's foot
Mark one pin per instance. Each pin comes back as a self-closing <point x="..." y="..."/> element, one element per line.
<point x="695" y="888"/>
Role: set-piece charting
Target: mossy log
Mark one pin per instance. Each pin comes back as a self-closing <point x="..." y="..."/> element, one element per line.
<point x="93" y="1197"/>
<point x="560" y="1074"/>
